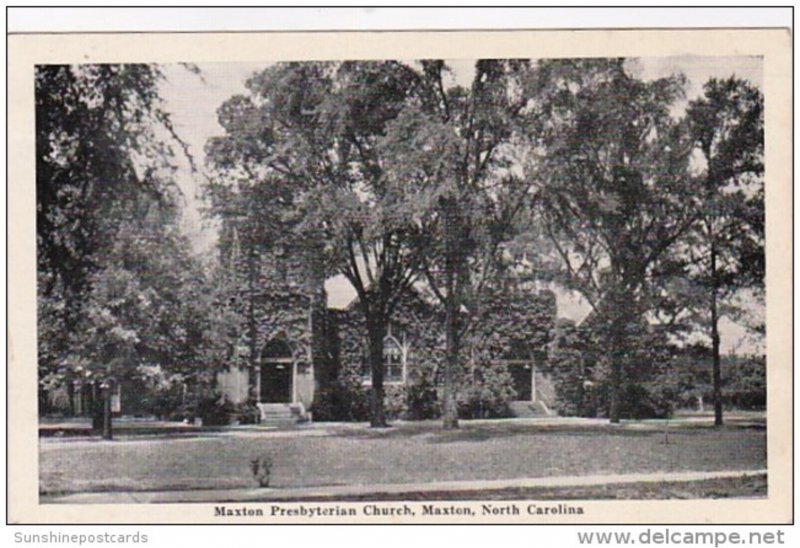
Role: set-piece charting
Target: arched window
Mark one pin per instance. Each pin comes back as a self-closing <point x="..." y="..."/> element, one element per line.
<point x="393" y="360"/>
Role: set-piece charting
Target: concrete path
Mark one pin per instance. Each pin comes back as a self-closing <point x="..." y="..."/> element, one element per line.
<point x="171" y="432"/>
<point x="304" y="493"/>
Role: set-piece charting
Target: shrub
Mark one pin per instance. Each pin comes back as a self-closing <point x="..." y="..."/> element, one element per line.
<point x="749" y="400"/>
<point x="746" y="385"/>
<point x="212" y="408"/>
<point x="487" y="394"/>
<point x="395" y="403"/>
<point x="637" y="401"/>
<point x="575" y="378"/>
<point x="573" y="397"/>
<point x="262" y="470"/>
<point x="165" y="402"/>
<point x="422" y="401"/>
<point x="646" y="402"/>
<point x="344" y="400"/>
<point x="350" y="401"/>
<point x="244" y="413"/>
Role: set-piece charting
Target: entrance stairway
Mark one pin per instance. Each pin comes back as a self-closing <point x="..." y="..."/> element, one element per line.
<point x="282" y="414"/>
<point x="527" y="409"/>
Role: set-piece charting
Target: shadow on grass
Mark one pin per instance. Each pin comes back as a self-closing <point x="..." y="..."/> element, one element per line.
<point x="432" y="432"/>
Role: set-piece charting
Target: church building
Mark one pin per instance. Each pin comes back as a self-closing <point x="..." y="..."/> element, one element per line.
<point x="306" y="331"/>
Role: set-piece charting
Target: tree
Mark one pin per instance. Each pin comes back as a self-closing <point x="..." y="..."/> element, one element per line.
<point x="455" y="147"/>
<point x="726" y="251"/>
<point x="250" y="203"/>
<point x="115" y="278"/>
<point x="98" y="162"/>
<point x="389" y="169"/>
<point x="149" y="305"/>
<point x="315" y="130"/>
<point x="618" y="194"/>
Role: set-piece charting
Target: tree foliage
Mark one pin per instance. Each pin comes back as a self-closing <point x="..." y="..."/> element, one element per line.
<point x="394" y="170"/>
<point x="617" y="193"/>
<point x="455" y="148"/>
<point x="118" y="287"/>
<point x="315" y="130"/>
<point x="727" y="123"/>
<point x="725" y="253"/>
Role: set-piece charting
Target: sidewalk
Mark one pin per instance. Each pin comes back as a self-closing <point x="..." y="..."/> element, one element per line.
<point x="304" y="493"/>
<point x="79" y="429"/>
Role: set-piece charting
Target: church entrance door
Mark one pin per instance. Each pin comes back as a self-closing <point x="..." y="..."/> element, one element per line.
<point x="277" y="372"/>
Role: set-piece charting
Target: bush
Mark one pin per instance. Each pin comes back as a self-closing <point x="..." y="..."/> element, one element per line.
<point x="165" y="402"/>
<point x="395" y="403"/>
<point x="244" y="413"/>
<point x="749" y="400"/>
<point x="581" y="372"/>
<point x="573" y="391"/>
<point x="350" y="401"/>
<point x="745" y="385"/>
<point x="571" y="369"/>
<point x="262" y="470"/>
<point x="637" y="401"/>
<point x="487" y="394"/>
<point x="422" y="401"/>
<point x="212" y="409"/>
<point x="345" y="400"/>
<point x="640" y="402"/>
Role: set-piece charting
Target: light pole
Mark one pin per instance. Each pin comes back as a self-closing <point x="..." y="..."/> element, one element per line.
<point x="105" y="391"/>
<point x="588" y="394"/>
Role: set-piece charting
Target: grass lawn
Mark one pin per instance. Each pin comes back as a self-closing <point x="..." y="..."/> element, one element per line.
<point x="411" y="452"/>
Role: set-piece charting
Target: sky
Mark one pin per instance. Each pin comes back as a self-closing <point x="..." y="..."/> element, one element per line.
<point x="192" y="100"/>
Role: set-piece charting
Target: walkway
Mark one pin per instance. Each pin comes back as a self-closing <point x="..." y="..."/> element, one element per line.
<point x="344" y="491"/>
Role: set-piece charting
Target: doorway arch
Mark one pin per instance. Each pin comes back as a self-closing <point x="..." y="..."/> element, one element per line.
<point x="277" y="373"/>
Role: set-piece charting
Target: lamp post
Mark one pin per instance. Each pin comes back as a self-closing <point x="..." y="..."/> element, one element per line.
<point x="588" y="394"/>
<point x="105" y="390"/>
<point x="74" y="393"/>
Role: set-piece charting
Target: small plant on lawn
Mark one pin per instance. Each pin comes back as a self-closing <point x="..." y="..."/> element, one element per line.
<point x="262" y="469"/>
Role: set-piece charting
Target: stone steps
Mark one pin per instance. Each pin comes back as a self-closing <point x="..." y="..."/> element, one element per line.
<point x="281" y="414"/>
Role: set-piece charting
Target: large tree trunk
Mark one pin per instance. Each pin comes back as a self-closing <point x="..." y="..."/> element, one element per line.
<point x="615" y="379"/>
<point x="252" y="327"/>
<point x="449" y="399"/>
<point x="376" y="332"/>
<point x="717" y="376"/>
<point x="617" y="352"/>
<point x="617" y="356"/>
<point x="453" y="264"/>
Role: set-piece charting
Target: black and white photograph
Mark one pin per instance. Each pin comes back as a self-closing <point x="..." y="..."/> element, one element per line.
<point x="404" y="288"/>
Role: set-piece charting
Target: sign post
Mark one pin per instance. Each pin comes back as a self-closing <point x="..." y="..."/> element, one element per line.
<point x="105" y="390"/>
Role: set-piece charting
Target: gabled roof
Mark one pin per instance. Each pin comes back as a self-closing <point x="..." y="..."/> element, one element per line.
<point x="341" y="293"/>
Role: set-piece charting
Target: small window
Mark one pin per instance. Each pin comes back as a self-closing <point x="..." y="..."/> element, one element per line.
<point x="366" y="373"/>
